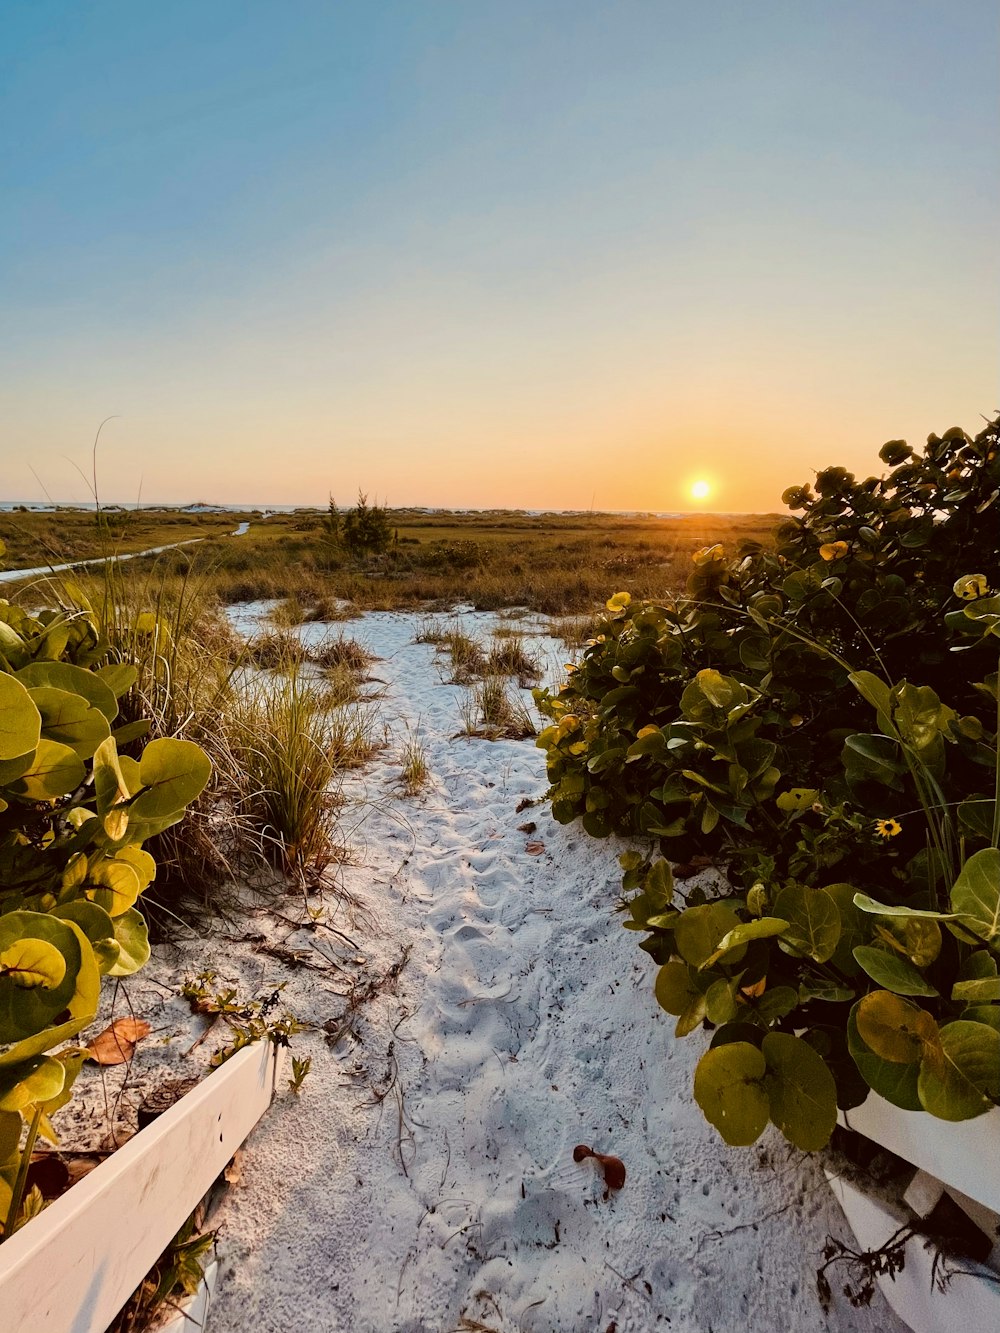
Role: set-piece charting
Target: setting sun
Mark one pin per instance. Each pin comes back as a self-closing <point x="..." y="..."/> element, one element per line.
<point x="700" y="490"/>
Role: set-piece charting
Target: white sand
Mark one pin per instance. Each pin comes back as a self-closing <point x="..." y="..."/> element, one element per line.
<point x="424" y="1179"/>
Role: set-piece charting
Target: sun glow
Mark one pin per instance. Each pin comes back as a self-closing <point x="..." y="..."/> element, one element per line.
<point x="700" y="490"/>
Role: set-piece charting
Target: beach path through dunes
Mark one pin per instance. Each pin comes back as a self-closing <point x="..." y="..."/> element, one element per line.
<point x="424" y="1178"/>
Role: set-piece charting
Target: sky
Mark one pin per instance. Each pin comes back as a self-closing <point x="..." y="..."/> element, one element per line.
<point x="483" y="253"/>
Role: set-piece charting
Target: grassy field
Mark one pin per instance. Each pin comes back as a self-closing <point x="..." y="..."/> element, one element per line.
<point x="557" y="564"/>
<point x="34" y="538"/>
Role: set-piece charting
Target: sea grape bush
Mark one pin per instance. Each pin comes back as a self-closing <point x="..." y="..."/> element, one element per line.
<point x="819" y="720"/>
<point x="74" y="814"/>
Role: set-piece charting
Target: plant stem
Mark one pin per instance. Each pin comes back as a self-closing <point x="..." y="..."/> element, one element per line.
<point x="22" y="1176"/>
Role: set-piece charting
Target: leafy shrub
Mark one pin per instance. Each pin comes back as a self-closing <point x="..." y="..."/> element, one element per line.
<point x="74" y="814"/>
<point x="821" y="720"/>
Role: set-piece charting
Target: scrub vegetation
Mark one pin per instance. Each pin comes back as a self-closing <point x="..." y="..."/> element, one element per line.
<point x="818" y="720"/>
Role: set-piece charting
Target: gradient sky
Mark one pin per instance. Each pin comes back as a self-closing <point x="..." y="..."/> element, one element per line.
<point x="540" y="253"/>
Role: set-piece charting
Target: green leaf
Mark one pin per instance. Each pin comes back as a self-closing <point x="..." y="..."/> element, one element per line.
<point x="797" y="799"/>
<point x="674" y="987"/>
<point x="897" y="1083"/>
<point x="55" y="771"/>
<point x="25" y="1013"/>
<point x="20" y="722"/>
<point x="118" y="676"/>
<point x="874" y="690"/>
<point x="875" y="908"/>
<point x="113" y="885"/>
<point x="25" y="1085"/>
<point x="32" y="962"/>
<point x="800" y="1090"/>
<point x="699" y="930"/>
<point x="813" y="921"/>
<point x="855" y="928"/>
<point x="776" y="1003"/>
<point x="172" y="773"/>
<point x="96" y="924"/>
<point x="728" y="1086"/>
<point x="133" y="942"/>
<point x="893" y="972"/>
<point x="659" y="885"/>
<point x="959" y="1079"/>
<point x="720" y="1001"/>
<point x="872" y="759"/>
<point x="976" y="894"/>
<point x="983" y="990"/>
<point x="743" y="934"/>
<point x="73" y="679"/>
<point x="70" y="719"/>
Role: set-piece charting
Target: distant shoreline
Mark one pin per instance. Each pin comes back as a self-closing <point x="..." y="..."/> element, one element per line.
<point x="58" y="506"/>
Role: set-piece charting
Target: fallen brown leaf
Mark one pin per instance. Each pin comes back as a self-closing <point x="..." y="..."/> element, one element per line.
<point x="116" y="1044"/>
<point x="534" y="848"/>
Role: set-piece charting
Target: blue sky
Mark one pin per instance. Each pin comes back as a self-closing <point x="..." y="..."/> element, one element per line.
<point x="481" y="253"/>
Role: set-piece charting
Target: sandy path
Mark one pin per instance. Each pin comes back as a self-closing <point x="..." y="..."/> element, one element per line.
<point x="424" y="1178"/>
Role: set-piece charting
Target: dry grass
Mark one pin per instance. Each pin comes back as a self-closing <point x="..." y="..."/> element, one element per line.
<point x="414" y="773"/>
<point x="508" y="657"/>
<point x="491" y="710"/>
<point x="343" y="653"/>
<point x="468" y="661"/>
<point x="557" y="564"/>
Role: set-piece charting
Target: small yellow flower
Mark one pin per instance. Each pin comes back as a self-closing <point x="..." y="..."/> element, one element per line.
<point x="888" y="828"/>
<point x="619" y="602"/>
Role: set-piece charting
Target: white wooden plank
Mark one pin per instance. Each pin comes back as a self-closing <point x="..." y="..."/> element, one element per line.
<point x="963" y="1153"/>
<point x="72" y="1268"/>
<point x="971" y="1302"/>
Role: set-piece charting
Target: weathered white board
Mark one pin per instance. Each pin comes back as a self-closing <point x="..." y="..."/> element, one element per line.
<point x="72" y="1268"/>
<point x="970" y="1303"/>
<point x="963" y="1153"/>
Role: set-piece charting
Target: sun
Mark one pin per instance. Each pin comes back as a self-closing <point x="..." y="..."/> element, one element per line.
<point x="700" y="490"/>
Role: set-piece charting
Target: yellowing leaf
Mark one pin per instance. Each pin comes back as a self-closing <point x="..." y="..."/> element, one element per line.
<point x="32" y="962"/>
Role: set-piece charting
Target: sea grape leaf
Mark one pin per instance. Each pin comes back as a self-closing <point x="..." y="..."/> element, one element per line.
<point x="976" y="894"/>
<point x="763" y="928"/>
<point x="113" y="885"/>
<point x="720" y="1001"/>
<point x="875" y="908"/>
<point x="55" y="771"/>
<point x="855" y="928"/>
<point x="25" y="1013"/>
<point x="729" y="1088"/>
<point x="813" y="921"/>
<point x="897" y="1083"/>
<point x="172" y="773"/>
<point x="699" y="930"/>
<point x="70" y="719"/>
<point x="979" y="990"/>
<point x="801" y="1091"/>
<point x="20" y="721"/>
<point x="31" y="962"/>
<point x="674" y="987"/>
<point x="42" y="1080"/>
<point x="95" y="924"/>
<point x="132" y="937"/>
<point x="893" y="972"/>
<point x="961" y="1076"/>
<point x="893" y="1028"/>
<point x="75" y="680"/>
